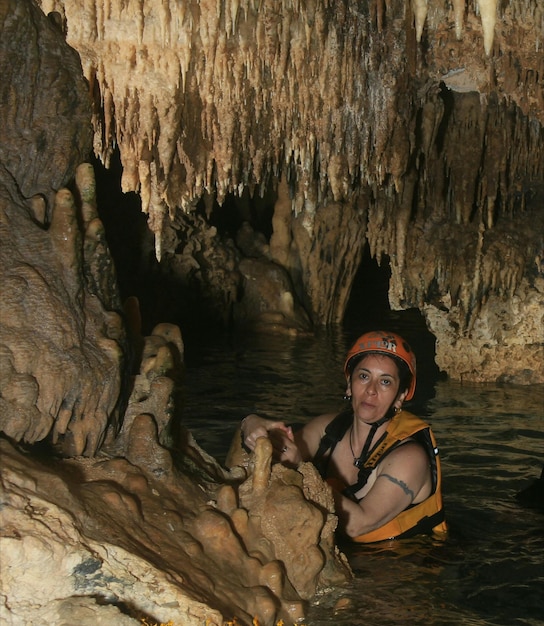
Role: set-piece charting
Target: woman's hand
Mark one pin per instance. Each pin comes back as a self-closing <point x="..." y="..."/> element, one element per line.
<point x="251" y="428"/>
<point x="281" y="436"/>
<point x="284" y="448"/>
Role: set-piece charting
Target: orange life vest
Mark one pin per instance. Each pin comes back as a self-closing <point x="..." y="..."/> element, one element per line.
<point x="423" y="518"/>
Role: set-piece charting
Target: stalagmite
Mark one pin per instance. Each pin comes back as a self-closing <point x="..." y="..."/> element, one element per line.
<point x="85" y="182"/>
<point x="65" y="234"/>
<point x="263" y="461"/>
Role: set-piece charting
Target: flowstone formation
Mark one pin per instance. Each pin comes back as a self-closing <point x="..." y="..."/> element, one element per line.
<point x="412" y="128"/>
<point x="163" y="534"/>
<point x="110" y="511"/>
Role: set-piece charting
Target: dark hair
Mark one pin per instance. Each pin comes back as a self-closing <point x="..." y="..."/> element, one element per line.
<point x="405" y="375"/>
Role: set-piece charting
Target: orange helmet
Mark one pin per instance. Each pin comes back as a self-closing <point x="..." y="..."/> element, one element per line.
<point x="384" y="342"/>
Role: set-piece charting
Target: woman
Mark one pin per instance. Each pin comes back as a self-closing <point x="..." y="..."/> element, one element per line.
<point x="381" y="461"/>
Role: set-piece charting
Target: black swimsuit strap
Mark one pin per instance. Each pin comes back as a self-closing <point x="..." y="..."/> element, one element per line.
<point x="334" y="432"/>
<point x="365" y="453"/>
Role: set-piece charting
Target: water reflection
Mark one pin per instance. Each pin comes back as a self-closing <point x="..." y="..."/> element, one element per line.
<point x="490" y="570"/>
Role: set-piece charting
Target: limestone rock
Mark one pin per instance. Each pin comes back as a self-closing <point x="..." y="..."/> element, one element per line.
<point x="58" y="341"/>
<point x="139" y="534"/>
<point x="371" y="126"/>
<point x="502" y="333"/>
<point x="55" y="131"/>
<point x="269" y="301"/>
<point x="75" y="569"/>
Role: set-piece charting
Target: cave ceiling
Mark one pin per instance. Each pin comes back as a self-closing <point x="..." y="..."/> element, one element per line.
<point x="418" y="125"/>
<point x="218" y="96"/>
<point x="414" y="129"/>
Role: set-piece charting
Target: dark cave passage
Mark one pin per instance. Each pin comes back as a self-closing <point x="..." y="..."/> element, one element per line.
<point x="368" y="304"/>
<point x="163" y="298"/>
<point x="368" y="309"/>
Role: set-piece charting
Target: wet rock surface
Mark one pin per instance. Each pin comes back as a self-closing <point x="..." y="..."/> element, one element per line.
<point x="110" y="510"/>
<point x="161" y="535"/>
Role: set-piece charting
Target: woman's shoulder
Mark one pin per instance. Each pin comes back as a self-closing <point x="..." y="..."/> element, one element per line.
<point x="322" y="421"/>
<point x="312" y="432"/>
<point x="409" y="452"/>
<point x="327" y="417"/>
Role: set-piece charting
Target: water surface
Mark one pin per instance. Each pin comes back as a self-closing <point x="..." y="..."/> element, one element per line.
<point x="490" y="569"/>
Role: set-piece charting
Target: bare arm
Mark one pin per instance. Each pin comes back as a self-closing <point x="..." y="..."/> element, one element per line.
<point x="309" y="437"/>
<point x="402" y="479"/>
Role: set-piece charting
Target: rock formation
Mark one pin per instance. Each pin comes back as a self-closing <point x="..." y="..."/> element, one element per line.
<point x="109" y="507"/>
<point x="111" y="512"/>
<point x="143" y="533"/>
<point x="413" y="129"/>
<point x="401" y="126"/>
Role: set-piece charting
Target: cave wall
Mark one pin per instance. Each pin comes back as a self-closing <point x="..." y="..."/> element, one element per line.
<point x="61" y="331"/>
<point x="111" y="512"/>
<point x="394" y="149"/>
<point x="418" y="124"/>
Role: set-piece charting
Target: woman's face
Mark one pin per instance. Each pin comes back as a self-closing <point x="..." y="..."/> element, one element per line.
<point x="374" y="387"/>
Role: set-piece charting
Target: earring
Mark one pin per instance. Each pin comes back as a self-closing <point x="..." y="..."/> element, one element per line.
<point x="348" y="398"/>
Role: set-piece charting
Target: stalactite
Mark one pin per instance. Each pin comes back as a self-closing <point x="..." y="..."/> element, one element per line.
<point x="459" y="13"/>
<point x="488" y="13"/>
<point x="420" y="8"/>
<point x="218" y="96"/>
<point x="380" y="12"/>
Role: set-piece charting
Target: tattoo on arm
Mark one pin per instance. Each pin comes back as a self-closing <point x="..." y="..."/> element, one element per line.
<point x="401" y="484"/>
